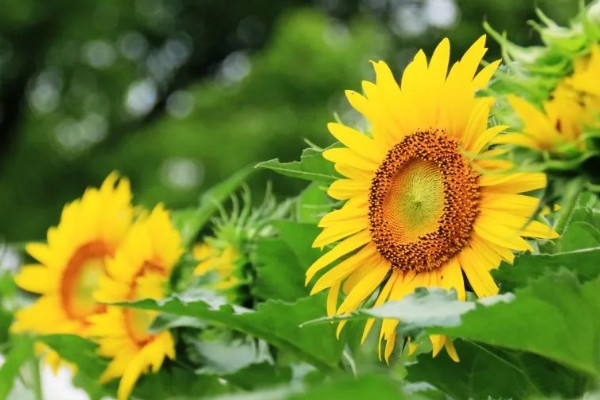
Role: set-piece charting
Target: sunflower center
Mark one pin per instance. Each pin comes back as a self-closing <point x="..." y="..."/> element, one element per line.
<point x="423" y="202"/>
<point x="144" y="285"/>
<point x="138" y="324"/>
<point x="81" y="279"/>
<point x="415" y="199"/>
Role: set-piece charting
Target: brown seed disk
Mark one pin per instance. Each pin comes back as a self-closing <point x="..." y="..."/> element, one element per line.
<point x="459" y="207"/>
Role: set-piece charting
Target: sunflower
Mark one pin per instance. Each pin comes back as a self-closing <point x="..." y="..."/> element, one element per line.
<point x="222" y="260"/>
<point x="573" y="107"/>
<point x="223" y="255"/>
<point x="140" y="269"/>
<point x="424" y="201"/>
<point x="73" y="259"/>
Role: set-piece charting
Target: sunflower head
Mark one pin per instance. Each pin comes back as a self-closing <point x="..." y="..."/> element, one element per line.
<point x="223" y="256"/>
<point x="220" y="264"/>
<point x="140" y="269"/>
<point x="74" y="258"/>
<point x="558" y="85"/>
<point x="425" y="199"/>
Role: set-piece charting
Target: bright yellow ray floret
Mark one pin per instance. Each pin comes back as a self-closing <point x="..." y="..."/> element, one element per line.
<point x="140" y="269"/>
<point x="221" y="261"/>
<point x="573" y="107"/>
<point x="74" y="257"/>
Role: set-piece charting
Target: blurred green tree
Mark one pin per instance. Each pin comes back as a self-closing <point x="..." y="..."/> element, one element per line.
<point x="178" y="94"/>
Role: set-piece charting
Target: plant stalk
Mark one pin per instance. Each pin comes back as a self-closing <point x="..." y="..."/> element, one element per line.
<point x="568" y="204"/>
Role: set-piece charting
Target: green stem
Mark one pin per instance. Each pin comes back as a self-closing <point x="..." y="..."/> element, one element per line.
<point x="37" y="380"/>
<point x="568" y="204"/>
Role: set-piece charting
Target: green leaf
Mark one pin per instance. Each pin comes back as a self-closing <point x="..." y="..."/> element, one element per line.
<point x="21" y="351"/>
<point x="280" y="262"/>
<point x="83" y="354"/>
<point x="255" y="376"/>
<point x="190" y="221"/>
<point x="424" y="308"/>
<point x="299" y="237"/>
<point x="344" y="387"/>
<point x="581" y="229"/>
<point x="274" y="321"/>
<point x="165" y="322"/>
<point x="279" y="274"/>
<point x="348" y="388"/>
<point x="555" y="317"/>
<point x="313" y="203"/>
<point x="222" y="358"/>
<point x="486" y="372"/>
<point x="312" y="166"/>
<point x="174" y="383"/>
<point x="527" y="267"/>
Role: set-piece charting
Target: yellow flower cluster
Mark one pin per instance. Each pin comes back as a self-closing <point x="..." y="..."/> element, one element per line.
<point x="573" y="107"/>
<point x="102" y="252"/>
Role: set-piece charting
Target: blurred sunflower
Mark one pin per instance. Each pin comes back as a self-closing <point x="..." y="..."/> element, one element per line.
<point x="221" y="258"/>
<point x="223" y="255"/>
<point x="573" y="107"/>
<point x="140" y="269"/>
<point x="74" y="259"/>
<point x="558" y="86"/>
<point x="419" y="211"/>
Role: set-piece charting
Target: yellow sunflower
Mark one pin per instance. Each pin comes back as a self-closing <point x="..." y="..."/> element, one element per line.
<point x="220" y="260"/>
<point x="419" y="209"/>
<point x="73" y="260"/>
<point x="140" y="269"/>
<point x="573" y="106"/>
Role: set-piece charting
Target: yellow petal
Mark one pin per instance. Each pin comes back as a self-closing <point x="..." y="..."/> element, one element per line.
<point x="342" y="270"/>
<point x="346" y="246"/>
<point x="363" y="289"/>
<point x="513" y="183"/>
<point x="477" y="273"/>
<point x="381" y="298"/>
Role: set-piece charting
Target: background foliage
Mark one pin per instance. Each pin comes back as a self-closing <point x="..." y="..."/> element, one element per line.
<point x="179" y="94"/>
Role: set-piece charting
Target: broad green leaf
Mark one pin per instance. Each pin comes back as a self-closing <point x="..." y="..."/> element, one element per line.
<point x="487" y="372"/>
<point x="20" y="352"/>
<point x="274" y="321"/>
<point x="299" y="237"/>
<point x="312" y="166"/>
<point x="583" y="262"/>
<point x="255" y="376"/>
<point x="164" y="322"/>
<point x="313" y="203"/>
<point x="279" y="274"/>
<point x="579" y="235"/>
<point x="582" y="227"/>
<point x="280" y="262"/>
<point x="223" y="358"/>
<point x="83" y="354"/>
<point x="346" y="387"/>
<point x="555" y="317"/>
<point x="189" y="221"/>
<point x="175" y="383"/>
<point x="435" y="307"/>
